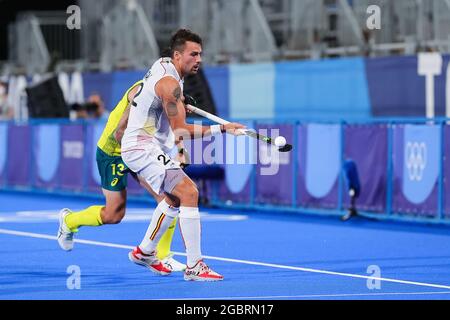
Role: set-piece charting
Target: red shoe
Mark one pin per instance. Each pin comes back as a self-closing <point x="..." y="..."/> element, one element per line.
<point x="201" y="272"/>
<point x="148" y="260"/>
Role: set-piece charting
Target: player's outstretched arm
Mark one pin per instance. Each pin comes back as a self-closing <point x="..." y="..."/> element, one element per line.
<point x="170" y="93"/>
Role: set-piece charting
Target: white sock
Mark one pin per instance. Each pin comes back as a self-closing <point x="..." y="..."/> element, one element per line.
<point x="161" y="220"/>
<point x="190" y="228"/>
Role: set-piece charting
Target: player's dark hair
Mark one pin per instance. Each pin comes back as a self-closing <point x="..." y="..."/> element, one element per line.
<point x="179" y="39"/>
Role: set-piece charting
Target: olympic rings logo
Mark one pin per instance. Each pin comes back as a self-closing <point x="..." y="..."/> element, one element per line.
<point x="416" y="160"/>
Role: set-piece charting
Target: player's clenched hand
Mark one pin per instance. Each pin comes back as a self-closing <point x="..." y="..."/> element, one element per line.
<point x="233" y="128"/>
<point x="187" y="99"/>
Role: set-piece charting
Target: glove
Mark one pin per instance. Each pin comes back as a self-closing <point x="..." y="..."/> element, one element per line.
<point x="189" y="100"/>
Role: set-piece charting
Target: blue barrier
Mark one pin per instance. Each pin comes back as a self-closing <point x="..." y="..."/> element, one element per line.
<point x="403" y="166"/>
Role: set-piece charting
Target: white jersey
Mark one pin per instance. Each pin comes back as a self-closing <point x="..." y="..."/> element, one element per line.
<point x="147" y="122"/>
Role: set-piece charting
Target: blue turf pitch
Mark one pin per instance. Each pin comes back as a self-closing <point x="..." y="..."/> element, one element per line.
<point x="262" y="256"/>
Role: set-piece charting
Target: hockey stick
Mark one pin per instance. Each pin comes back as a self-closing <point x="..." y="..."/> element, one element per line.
<point x="286" y="148"/>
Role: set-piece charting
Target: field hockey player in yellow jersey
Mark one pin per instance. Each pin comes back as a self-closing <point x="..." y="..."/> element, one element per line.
<point x="113" y="173"/>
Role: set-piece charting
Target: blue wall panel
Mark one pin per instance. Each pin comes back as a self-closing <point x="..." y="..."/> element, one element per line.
<point x="325" y="88"/>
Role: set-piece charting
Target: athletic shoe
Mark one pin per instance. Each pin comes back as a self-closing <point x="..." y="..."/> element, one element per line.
<point x="148" y="260"/>
<point x="172" y="264"/>
<point x="65" y="235"/>
<point x="201" y="272"/>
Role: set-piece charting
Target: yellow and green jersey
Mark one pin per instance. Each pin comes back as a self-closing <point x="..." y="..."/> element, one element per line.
<point x="107" y="143"/>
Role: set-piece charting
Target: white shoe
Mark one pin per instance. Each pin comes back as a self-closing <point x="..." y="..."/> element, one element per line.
<point x="65" y="236"/>
<point x="173" y="264"/>
<point x="201" y="272"/>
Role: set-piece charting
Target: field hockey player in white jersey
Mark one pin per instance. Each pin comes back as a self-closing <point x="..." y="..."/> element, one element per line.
<point x="157" y="120"/>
